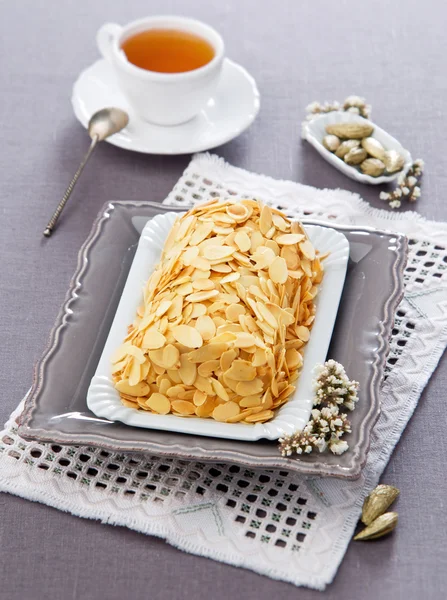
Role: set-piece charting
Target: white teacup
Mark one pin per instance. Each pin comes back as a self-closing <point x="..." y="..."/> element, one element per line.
<point x="163" y="98"/>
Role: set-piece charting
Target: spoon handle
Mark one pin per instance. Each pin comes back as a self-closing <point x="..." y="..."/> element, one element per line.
<point x="60" y="207"/>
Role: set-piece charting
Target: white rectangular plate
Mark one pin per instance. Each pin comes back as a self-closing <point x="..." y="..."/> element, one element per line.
<point x="104" y="401"/>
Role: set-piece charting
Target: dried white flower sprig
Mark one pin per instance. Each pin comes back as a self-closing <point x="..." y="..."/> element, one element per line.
<point x="333" y="387"/>
<point x="327" y="425"/>
<point x="352" y="104"/>
<point x="407" y="186"/>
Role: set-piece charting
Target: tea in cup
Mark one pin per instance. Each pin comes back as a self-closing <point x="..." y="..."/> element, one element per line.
<point x="167" y="67"/>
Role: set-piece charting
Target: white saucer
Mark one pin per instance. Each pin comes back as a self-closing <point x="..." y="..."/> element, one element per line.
<point x="233" y="108"/>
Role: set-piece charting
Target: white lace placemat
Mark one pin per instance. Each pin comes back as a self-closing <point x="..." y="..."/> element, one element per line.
<point x="283" y="525"/>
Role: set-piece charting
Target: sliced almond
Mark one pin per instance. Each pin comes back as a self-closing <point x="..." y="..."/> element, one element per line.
<point x="185" y="222"/>
<point x="201" y="263"/>
<point x="202" y="296"/>
<point x="280" y="223"/>
<point x="135" y="373"/>
<point x="141" y="389"/>
<point x="267" y="315"/>
<point x="199" y="398"/>
<point x="264" y="257"/>
<point x="175" y="391"/>
<point x="307" y="249"/>
<point x="120" y="353"/>
<point x="221" y="268"/>
<point x="303" y="333"/>
<point x="263" y="416"/>
<point x="186" y="395"/>
<point x="288" y="391"/>
<point x="289" y="239"/>
<point x="198" y="310"/>
<point x="156" y="357"/>
<point x="226" y="411"/>
<point x="207" y="368"/>
<point x="183" y="407"/>
<point x="137" y="353"/>
<point x="119" y="366"/>
<point x="198" y="274"/>
<point x="163" y="307"/>
<point x="265" y="220"/>
<point x="241" y="370"/>
<point x="244" y="340"/>
<point x="174" y="375"/>
<point x="204" y="385"/>
<point x="227" y="358"/>
<point x="225" y="337"/>
<point x="234" y="276"/>
<point x="232" y="327"/>
<point x="238" y="212"/>
<point x="249" y="388"/>
<point x="243" y="242"/>
<point x="159" y="369"/>
<point x="208" y="352"/>
<point x="258" y="293"/>
<point x="217" y="252"/>
<point x="278" y="271"/>
<point x="184" y="289"/>
<point x="189" y="255"/>
<point x="171" y="356"/>
<point x="259" y="358"/>
<point x="187" y="336"/>
<point x="230" y="383"/>
<point x="159" y="404"/>
<point x="291" y="257"/>
<point x="164" y="385"/>
<point x="257" y="239"/>
<point x="187" y="371"/>
<point x="206" y="327"/>
<point x="201" y="232"/>
<point x="141" y="401"/>
<point x="206" y="409"/>
<point x="233" y="311"/>
<point x="203" y="285"/>
<point x="222" y="230"/>
<point x="128" y="403"/>
<point x="219" y="389"/>
<point x="293" y="358"/>
<point x="250" y="401"/>
<point x="306" y="266"/>
<point x="240" y="417"/>
<point x="228" y="298"/>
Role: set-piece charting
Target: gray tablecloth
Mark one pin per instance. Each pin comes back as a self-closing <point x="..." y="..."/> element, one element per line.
<point x="392" y="52"/>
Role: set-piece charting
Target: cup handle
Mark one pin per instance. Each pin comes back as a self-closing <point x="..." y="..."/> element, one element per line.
<point x="105" y="37"/>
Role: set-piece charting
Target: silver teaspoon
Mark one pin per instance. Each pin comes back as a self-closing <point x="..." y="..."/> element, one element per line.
<point x="103" y="124"/>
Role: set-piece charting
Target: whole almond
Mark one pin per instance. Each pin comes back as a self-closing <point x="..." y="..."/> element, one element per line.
<point x="345" y="147"/>
<point x="378" y="501"/>
<point x="350" y="131"/>
<point x="393" y="161"/>
<point x="331" y="142"/>
<point x="373" y="167"/>
<point x="374" y="148"/>
<point x="378" y="528"/>
<point x="355" y="156"/>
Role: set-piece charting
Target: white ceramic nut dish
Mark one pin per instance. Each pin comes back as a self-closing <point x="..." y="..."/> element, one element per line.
<point x="314" y="131"/>
<point x="103" y="400"/>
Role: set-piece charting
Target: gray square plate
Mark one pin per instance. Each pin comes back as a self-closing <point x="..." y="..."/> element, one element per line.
<point x="56" y="409"/>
